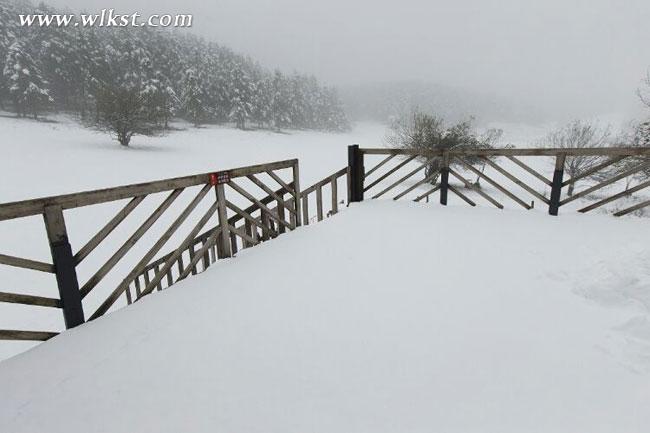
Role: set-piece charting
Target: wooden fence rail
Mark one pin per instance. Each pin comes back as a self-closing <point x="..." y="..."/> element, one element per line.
<point x="272" y="210"/>
<point x="505" y="173"/>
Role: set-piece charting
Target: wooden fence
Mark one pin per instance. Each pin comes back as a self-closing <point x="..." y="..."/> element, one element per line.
<point x="516" y="175"/>
<point x="249" y="211"/>
<point x="270" y="212"/>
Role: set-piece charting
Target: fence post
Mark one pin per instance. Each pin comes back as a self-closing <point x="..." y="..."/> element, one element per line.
<point x="356" y="172"/>
<point x="296" y="191"/>
<point x="64" y="266"/>
<point x="556" y="185"/>
<point x="444" y="178"/>
<point x="223" y="220"/>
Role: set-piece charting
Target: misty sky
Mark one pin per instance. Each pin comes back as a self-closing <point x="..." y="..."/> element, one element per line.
<point x="586" y="56"/>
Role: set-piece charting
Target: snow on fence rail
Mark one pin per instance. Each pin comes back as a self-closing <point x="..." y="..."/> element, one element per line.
<point x="506" y="172"/>
<point x="271" y="211"/>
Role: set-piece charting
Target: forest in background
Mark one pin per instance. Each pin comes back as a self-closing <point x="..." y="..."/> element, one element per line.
<point x="152" y="75"/>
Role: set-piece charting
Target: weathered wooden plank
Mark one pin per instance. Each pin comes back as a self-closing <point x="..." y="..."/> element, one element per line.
<point x="599" y="151"/>
<point x="319" y="203"/>
<point x="529" y="169"/>
<point x="593" y="170"/>
<point x="67" y="201"/>
<point x="461" y="195"/>
<point x="211" y="240"/>
<point x="270" y="192"/>
<point x="246" y="216"/>
<point x="296" y="193"/>
<point x="473" y="187"/>
<point x="340" y="173"/>
<point x="107" y="229"/>
<point x="335" y="199"/>
<point x="515" y="180"/>
<point x="130" y="242"/>
<point x="415" y="185"/>
<point x="280" y="182"/>
<point x="429" y="192"/>
<point x="242" y="234"/>
<point x="621" y="194"/>
<point x="633" y="208"/>
<point x="19" y="262"/>
<point x="494" y="183"/>
<point x="378" y="166"/>
<point x="261" y="205"/>
<point x="305" y="209"/>
<point x="402" y="179"/>
<point x="10" y="334"/>
<point x="40" y="301"/>
<point x="391" y="171"/>
<point x="604" y="183"/>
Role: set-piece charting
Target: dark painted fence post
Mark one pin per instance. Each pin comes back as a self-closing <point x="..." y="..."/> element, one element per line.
<point x="356" y="173"/>
<point x="64" y="266"/>
<point x="444" y="178"/>
<point x="556" y="185"/>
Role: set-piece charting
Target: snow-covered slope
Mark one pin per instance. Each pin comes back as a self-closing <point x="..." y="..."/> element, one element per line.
<point x="388" y="317"/>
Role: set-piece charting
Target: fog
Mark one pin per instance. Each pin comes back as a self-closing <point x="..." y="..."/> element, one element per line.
<point x="563" y="58"/>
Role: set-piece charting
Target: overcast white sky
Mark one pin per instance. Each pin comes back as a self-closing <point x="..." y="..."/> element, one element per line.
<point x="587" y="54"/>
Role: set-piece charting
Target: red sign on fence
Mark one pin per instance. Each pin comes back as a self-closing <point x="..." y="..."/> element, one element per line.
<point x="219" y="178"/>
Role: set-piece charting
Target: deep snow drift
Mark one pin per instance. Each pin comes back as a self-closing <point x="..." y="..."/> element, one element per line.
<point x="388" y="317"/>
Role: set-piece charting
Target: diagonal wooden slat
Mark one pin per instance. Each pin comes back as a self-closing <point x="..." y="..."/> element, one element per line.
<point x="461" y="195"/>
<point x="415" y="185"/>
<point x="473" y="187"/>
<point x="621" y="194"/>
<point x="515" y="180"/>
<point x="212" y="240"/>
<point x="391" y="171"/>
<point x="280" y="182"/>
<point x="126" y="246"/>
<point x="378" y="166"/>
<point x="19" y="262"/>
<point x="248" y="217"/>
<point x="261" y="205"/>
<point x="529" y="169"/>
<point x="609" y="181"/>
<point x="243" y="235"/>
<point x="189" y="241"/>
<point x="633" y="208"/>
<point x="593" y="170"/>
<point x="429" y="192"/>
<point x="142" y="264"/>
<point x="108" y="228"/>
<point x="10" y="334"/>
<point x="270" y="192"/>
<point x="492" y="182"/>
<point x="402" y="179"/>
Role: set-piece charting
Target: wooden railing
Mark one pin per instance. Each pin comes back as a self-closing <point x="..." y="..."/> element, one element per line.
<point x="519" y="175"/>
<point x="247" y="212"/>
<point x="317" y="190"/>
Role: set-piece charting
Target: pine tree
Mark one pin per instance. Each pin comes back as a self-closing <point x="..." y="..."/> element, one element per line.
<point x="26" y="86"/>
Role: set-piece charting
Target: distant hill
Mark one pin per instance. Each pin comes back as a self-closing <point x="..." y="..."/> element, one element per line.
<point x="382" y="101"/>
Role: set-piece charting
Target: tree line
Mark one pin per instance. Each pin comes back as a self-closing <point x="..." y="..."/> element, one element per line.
<point x="135" y="80"/>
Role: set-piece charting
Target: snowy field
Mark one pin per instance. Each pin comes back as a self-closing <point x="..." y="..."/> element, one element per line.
<point x="457" y="321"/>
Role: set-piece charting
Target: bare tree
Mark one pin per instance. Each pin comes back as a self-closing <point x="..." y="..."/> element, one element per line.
<point x="124" y="111"/>
<point x="578" y="134"/>
<point x="425" y="132"/>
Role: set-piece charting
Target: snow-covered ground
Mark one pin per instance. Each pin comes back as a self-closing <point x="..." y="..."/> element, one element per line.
<point x="451" y="321"/>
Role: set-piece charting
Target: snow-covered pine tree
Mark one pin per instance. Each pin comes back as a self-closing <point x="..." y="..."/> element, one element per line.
<point x="26" y="86"/>
<point x="193" y="97"/>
